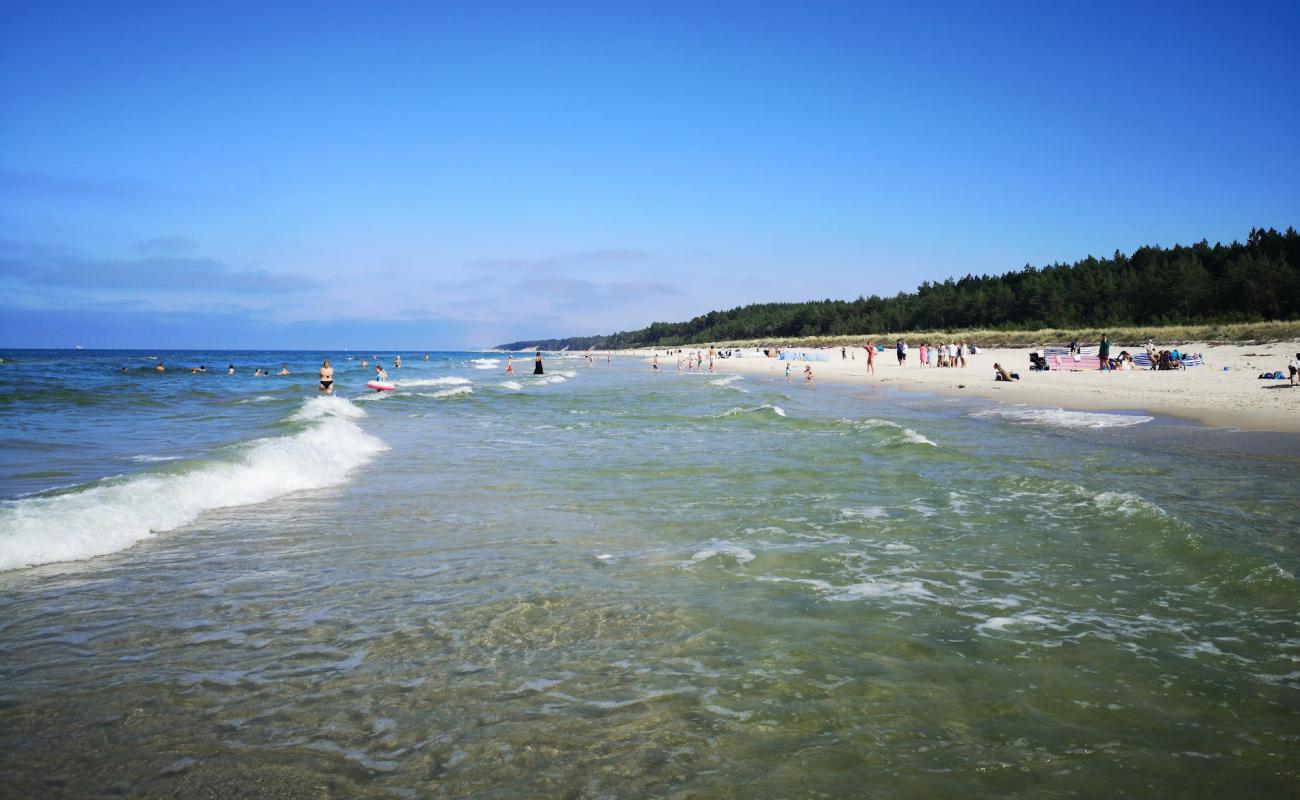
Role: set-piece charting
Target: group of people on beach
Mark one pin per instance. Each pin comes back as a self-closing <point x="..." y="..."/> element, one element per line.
<point x="952" y="354"/>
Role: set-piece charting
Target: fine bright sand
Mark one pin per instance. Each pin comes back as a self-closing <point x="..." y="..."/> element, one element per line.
<point x="1234" y="397"/>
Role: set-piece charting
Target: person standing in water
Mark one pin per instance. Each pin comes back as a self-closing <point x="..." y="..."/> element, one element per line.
<point x="380" y="373"/>
<point x="397" y="363"/>
<point x="510" y="365"/>
<point x="327" y="377"/>
<point x="537" y="363"/>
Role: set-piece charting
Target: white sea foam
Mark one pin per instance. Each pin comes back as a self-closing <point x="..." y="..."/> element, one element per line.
<point x="907" y="434"/>
<point x="882" y="588"/>
<point x="897" y="590"/>
<point x="327" y="407"/>
<point x="547" y="379"/>
<point x="152" y="459"/>
<point x="742" y="555"/>
<point x="456" y="391"/>
<point x="111" y="515"/>
<point x="726" y="381"/>
<point x="867" y="512"/>
<point x="899" y="547"/>
<point x="515" y="385"/>
<point x="1002" y="623"/>
<point x="737" y="411"/>
<point x="450" y="380"/>
<point x="1127" y="504"/>
<point x="1060" y="418"/>
<point x="916" y="438"/>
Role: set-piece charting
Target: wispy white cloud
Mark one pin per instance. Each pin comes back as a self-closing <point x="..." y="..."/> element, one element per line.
<point x="44" y="265"/>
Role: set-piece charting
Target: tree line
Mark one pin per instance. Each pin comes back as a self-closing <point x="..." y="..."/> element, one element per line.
<point x="1197" y="284"/>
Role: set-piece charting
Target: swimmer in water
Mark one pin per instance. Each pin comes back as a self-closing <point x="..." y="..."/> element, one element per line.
<point x="284" y="370"/>
<point x="230" y="370"/>
<point x="326" y="377"/>
<point x="380" y="373"/>
<point x="160" y="367"/>
<point x="510" y="365"/>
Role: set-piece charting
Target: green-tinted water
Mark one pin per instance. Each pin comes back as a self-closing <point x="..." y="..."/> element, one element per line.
<point x="626" y="585"/>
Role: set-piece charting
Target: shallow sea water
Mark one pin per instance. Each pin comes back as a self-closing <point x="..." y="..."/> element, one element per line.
<point x="613" y="583"/>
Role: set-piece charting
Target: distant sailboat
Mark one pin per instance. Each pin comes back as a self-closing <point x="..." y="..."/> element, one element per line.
<point x="79" y="347"/>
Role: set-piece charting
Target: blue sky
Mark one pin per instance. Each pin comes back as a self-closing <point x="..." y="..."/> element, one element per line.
<point x="439" y="174"/>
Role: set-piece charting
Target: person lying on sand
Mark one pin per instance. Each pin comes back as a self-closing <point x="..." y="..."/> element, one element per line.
<point x="1002" y="374"/>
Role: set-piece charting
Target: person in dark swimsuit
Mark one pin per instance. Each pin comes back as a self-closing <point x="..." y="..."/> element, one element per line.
<point x="327" y="377"/>
<point x="537" y="363"/>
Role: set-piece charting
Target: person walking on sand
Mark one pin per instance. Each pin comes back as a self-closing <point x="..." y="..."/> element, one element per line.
<point x="1103" y="353"/>
<point x="537" y="363"/>
<point x="510" y="365"/>
<point x="326" y="377"/>
<point x="871" y="358"/>
<point x="901" y="348"/>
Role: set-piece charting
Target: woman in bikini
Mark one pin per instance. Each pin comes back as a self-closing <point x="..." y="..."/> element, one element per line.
<point x="327" y="377"/>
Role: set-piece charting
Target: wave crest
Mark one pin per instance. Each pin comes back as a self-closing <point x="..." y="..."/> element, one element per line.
<point x="113" y="514"/>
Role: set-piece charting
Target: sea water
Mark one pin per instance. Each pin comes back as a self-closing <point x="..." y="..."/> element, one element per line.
<point x="614" y="582"/>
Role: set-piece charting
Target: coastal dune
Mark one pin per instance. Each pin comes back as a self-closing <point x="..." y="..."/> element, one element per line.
<point x="1225" y="392"/>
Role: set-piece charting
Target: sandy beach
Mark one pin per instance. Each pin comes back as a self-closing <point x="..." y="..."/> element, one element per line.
<point x="1225" y="392"/>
